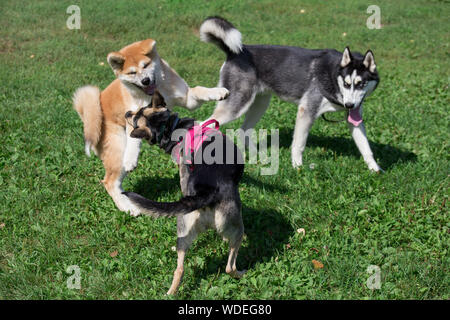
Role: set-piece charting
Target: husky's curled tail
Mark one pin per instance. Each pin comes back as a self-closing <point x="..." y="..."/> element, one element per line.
<point x="86" y="101"/>
<point x="222" y="33"/>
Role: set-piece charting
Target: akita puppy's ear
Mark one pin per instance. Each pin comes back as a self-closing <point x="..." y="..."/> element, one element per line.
<point x="346" y="57"/>
<point x="369" y="61"/>
<point x="148" y="46"/>
<point x="158" y="100"/>
<point x="116" y="61"/>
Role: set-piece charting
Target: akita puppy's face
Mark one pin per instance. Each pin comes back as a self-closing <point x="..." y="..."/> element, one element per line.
<point x="147" y="121"/>
<point x="357" y="78"/>
<point x="136" y="64"/>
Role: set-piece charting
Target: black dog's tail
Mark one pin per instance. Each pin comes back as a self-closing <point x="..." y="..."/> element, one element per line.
<point x="222" y="33"/>
<point x="168" y="209"/>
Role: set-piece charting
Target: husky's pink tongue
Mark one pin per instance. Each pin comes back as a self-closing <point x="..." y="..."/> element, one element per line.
<point x="354" y="117"/>
<point x="150" y="89"/>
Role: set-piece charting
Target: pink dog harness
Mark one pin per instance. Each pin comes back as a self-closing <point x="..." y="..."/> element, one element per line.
<point x="194" y="139"/>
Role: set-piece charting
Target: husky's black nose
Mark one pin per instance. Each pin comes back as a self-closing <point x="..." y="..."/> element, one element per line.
<point x="349" y="105"/>
<point x="145" y="81"/>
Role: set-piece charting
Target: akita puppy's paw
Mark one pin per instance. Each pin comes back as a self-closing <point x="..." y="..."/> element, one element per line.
<point x="134" y="212"/>
<point x="121" y="207"/>
<point x="218" y="94"/>
<point x="124" y="204"/>
<point x="129" y="165"/>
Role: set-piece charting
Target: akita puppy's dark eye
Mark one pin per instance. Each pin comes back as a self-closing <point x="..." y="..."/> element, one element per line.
<point x="347" y="85"/>
<point x="131" y="73"/>
<point x="146" y="65"/>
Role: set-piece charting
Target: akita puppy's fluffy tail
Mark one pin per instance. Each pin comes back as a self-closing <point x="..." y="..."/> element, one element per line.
<point x="86" y="101"/>
<point x="222" y="33"/>
<point x="169" y="209"/>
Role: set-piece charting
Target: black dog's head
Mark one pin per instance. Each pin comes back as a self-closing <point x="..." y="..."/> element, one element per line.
<point x="148" y="122"/>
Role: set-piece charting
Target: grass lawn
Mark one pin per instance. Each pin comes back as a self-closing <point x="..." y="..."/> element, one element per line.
<point x="54" y="212"/>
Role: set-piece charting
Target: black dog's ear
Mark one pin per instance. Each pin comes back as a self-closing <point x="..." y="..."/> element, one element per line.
<point x="158" y="100"/>
<point x="157" y="118"/>
<point x="128" y="114"/>
<point x="139" y="133"/>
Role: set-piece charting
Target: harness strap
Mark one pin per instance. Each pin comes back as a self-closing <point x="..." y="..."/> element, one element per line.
<point x="195" y="137"/>
<point x="207" y="123"/>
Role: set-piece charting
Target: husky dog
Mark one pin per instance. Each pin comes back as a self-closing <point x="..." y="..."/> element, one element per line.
<point x="210" y="191"/>
<point x="139" y="71"/>
<point x="317" y="81"/>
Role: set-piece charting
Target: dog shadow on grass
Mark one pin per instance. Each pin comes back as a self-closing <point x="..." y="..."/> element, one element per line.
<point x="249" y="180"/>
<point x="386" y="155"/>
<point x="155" y="187"/>
<point x="266" y="233"/>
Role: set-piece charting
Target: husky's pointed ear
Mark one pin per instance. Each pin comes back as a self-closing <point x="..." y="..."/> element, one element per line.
<point x="369" y="61"/>
<point x="346" y="57"/>
<point x="148" y="46"/>
<point x="116" y="61"/>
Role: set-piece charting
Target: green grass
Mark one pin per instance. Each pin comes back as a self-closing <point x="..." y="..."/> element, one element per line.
<point x="55" y="213"/>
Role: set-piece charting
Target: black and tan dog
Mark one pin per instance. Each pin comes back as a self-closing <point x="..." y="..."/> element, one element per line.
<point x="210" y="190"/>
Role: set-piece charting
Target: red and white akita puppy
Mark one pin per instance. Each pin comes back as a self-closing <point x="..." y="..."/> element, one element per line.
<point x="139" y="71"/>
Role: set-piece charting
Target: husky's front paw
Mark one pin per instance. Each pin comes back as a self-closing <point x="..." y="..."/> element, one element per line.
<point x="218" y="94"/>
<point x="297" y="162"/>
<point x="373" y="166"/>
<point x="236" y="273"/>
